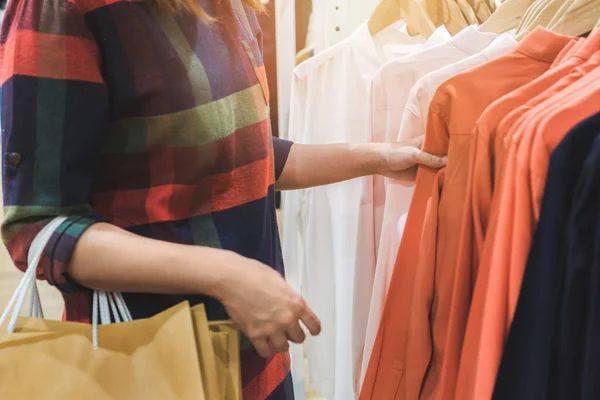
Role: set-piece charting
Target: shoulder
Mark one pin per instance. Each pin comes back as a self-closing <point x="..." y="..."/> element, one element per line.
<point x="53" y="17"/>
<point x="333" y="55"/>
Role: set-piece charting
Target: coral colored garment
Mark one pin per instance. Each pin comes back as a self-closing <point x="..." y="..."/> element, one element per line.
<point x="570" y="49"/>
<point x="472" y="231"/>
<point x="398" y="194"/>
<point x="389" y="94"/>
<point x="514" y="216"/>
<point x="534" y="366"/>
<point x="397" y="365"/>
<point x="484" y="177"/>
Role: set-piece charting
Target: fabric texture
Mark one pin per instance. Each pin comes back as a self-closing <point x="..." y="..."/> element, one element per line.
<point x="398" y="194"/>
<point x="524" y="372"/>
<point x="409" y="352"/>
<point x="334" y="21"/>
<point x="320" y="224"/>
<point x="157" y="123"/>
<point x="479" y="362"/>
<point x="384" y="120"/>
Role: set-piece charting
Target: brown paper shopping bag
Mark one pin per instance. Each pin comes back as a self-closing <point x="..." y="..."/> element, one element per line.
<point x="147" y="359"/>
<point x="206" y="354"/>
<point x="219" y="354"/>
<point x="226" y="343"/>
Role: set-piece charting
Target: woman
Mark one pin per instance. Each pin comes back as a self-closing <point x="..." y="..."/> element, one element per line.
<point x="146" y="122"/>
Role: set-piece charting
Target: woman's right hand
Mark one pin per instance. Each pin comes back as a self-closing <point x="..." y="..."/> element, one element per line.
<point x="265" y="307"/>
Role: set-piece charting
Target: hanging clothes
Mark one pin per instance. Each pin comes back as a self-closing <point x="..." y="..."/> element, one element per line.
<point x="335" y="20"/>
<point x="398" y="194"/>
<point x="389" y="92"/>
<point x="486" y="333"/>
<point x="524" y="372"/>
<point x="412" y="337"/>
<point x="329" y="105"/>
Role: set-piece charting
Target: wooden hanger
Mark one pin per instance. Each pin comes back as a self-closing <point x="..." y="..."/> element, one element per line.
<point x="481" y="8"/>
<point x="579" y="19"/>
<point x="530" y="14"/>
<point x="506" y="17"/>
<point x="543" y="17"/>
<point x="468" y="12"/>
<point x="412" y="12"/>
<point x="562" y="11"/>
<point x="492" y="4"/>
<point x="447" y="13"/>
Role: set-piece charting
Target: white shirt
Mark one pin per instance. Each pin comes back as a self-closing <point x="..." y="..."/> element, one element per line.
<point x="285" y="37"/>
<point x="335" y="20"/>
<point x="329" y="105"/>
<point x="393" y="209"/>
<point x="331" y="22"/>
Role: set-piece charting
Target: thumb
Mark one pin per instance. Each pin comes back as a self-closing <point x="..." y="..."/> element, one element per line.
<point x="430" y="160"/>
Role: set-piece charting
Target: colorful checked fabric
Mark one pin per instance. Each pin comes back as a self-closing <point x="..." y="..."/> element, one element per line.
<point x="158" y="123"/>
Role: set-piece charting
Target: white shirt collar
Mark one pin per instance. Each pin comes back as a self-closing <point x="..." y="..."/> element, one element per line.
<point x="392" y="42"/>
<point x="471" y="41"/>
<point x="500" y="45"/>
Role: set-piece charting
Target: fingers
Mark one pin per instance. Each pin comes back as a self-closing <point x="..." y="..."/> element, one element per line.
<point x="295" y="333"/>
<point x="280" y="343"/>
<point x="430" y="160"/>
<point x="310" y="320"/>
<point x="262" y="347"/>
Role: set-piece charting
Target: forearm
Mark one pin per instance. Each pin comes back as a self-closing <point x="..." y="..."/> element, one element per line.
<point x="316" y="165"/>
<point x="111" y="259"/>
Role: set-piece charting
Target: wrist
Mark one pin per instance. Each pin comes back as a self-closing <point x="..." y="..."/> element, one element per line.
<point x="370" y="158"/>
<point x="215" y="270"/>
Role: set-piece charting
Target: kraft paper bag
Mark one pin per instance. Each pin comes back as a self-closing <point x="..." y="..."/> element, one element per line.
<point x="206" y="354"/>
<point x="149" y="359"/>
<point x="226" y="343"/>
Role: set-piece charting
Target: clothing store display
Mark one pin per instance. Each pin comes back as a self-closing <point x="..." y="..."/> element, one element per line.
<point x="438" y="262"/>
<point x="320" y="224"/>
<point x="404" y="344"/>
<point x="331" y="22"/>
<point x="474" y="281"/>
<point x="175" y="150"/>
<point x="398" y="194"/>
<point x="335" y="20"/>
<point x="524" y="372"/>
<point x="486" y="333"/>
<point x="383" y="125"/>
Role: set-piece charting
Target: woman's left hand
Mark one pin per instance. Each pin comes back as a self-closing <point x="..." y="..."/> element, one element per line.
<point x="401" y="160"/>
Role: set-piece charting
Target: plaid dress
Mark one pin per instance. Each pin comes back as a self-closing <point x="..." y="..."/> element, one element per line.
<point x="155" y="122"/>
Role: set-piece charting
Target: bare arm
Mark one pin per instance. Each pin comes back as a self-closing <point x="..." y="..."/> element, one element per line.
<point x="256" y="296"/>
<point x="316" y="165"/>
<point x="112" y="259"/>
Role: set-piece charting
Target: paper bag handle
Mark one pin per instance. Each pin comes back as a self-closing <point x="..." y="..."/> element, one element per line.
<point x="104" y="304"/>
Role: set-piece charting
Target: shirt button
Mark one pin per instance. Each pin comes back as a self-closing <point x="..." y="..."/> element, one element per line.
<point x="14" y="159"/>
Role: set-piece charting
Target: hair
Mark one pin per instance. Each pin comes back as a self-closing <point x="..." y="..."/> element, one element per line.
<point x="193" y="7"/>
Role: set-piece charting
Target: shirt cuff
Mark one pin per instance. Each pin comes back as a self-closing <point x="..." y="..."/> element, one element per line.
<point x="281" y="148"/>
<point x="59" y="251"/>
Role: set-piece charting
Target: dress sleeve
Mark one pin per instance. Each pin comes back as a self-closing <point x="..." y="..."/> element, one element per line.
<point x="282" y="148"/>
<point x="54" y="114"/>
